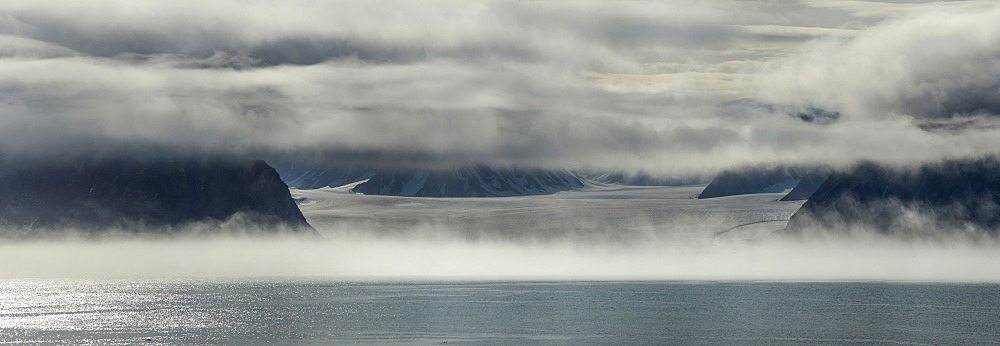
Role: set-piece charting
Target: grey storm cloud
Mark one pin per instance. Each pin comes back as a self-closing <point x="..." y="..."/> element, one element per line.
<point x="605" y="85"/>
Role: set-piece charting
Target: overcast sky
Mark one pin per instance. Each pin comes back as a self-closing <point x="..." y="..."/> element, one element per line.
<point x="668" y="87"/>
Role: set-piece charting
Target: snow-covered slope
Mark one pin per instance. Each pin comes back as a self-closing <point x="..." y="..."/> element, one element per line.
<point x="765" y="180"/>
<point x="313" y="176"/>
<point x="609" y="214"/>
<point x="476" y="181"/>
<point x="807" y="186"/>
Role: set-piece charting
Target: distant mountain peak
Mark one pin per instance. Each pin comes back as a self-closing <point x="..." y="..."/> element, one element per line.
<point x="307" y="176"/>
<point x="472" y="181"/>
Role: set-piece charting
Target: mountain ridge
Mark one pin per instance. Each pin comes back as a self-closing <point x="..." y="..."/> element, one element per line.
<point x="475" y="181"/>
<point x="952" y="195"/>
<point x="145" y="196"/>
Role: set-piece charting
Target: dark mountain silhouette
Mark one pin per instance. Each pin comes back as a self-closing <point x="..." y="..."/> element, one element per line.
<point x="950" y="195"/>
<point x="141" y="195"/>
<point x="476" y="181"/>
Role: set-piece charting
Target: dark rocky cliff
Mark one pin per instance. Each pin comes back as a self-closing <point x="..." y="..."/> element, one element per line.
<point x="145" y="195"/>
<point x="951" y="195"/>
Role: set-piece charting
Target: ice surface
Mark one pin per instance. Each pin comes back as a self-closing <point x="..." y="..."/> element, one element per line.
<point x="596" y="213"/>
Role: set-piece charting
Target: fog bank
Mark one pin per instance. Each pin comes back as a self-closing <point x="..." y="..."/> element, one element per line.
<point x="387" y="258"/>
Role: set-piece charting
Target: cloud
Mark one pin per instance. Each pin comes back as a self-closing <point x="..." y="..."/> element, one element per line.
<point x="383" y="31"/>
<point x="410" y="258"/>
<point x="605" y="85"/>
<point x="934" y="65"/>
<point x="895" y="8"/>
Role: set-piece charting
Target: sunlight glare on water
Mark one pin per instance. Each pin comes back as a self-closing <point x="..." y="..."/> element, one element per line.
<point x="566" y="312"/>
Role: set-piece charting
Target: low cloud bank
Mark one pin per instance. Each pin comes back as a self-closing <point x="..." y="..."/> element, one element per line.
<point x="360" y="257"/>
<point x="933" y="66"/>
<point x="633" y="86"/>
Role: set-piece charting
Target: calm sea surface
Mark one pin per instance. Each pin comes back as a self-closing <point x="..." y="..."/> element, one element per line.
<point x="569" y="313"/>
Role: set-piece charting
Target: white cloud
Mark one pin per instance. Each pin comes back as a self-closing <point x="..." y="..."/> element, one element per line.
<point x="616" y="85"/>
<point x="933" y="65"/>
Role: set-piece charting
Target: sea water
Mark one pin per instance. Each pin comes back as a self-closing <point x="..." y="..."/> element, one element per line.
<point x="496" y="312"/>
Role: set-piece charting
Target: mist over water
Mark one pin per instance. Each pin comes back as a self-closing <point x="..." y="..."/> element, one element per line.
<point x="431" y="255"/>
<point x="610" y="233"/>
